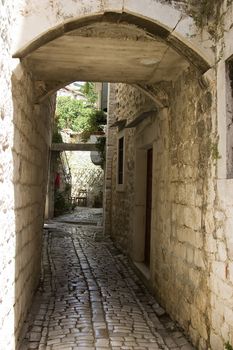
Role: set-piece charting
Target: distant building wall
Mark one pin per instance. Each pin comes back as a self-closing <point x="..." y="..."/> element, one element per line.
<point x="88" y="176"/>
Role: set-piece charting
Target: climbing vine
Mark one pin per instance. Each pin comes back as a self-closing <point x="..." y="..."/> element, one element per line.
<point x="228" y="346"/>
<point x="205" y="11"/>
<point x="206" y="14"/>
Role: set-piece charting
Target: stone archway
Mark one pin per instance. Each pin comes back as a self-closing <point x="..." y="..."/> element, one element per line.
<point x="35" y="19"/>
<point x="86" y="48"/>
<point x="102" y="41"/>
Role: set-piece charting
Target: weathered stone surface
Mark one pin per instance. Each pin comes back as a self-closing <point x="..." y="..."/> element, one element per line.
<point x="182" y="164"/>
<point x="24" y="138"/>
<point x="192" y="250"/>
<point x="91" y="298"/>
<point x="86" y="175"/>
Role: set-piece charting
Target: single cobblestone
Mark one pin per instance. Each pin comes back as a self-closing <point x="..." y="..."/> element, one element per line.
<point x="90" y="298"/>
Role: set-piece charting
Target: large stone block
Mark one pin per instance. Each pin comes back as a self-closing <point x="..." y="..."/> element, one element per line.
<point x="216" y="342"/>
<point x="192" y="217"/>
<point x="219" y="269"/>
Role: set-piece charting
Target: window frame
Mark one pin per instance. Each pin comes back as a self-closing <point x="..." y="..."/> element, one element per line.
<point x="229" y="116"/>
<point x="120" y="186"/>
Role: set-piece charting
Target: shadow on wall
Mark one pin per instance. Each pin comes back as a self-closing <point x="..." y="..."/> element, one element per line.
<point x="32" y="137"/>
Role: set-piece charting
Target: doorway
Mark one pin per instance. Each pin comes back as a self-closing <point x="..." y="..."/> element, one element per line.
<point x="149" y="176"/>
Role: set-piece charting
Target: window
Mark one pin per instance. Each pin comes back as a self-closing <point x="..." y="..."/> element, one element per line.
<point x="120" y="172"/>
<point x="229" y="79"/>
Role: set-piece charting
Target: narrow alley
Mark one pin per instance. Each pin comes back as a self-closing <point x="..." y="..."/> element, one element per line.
<point x="90" y="298"/>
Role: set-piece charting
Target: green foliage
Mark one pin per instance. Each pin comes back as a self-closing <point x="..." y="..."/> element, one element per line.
<point x="60" y="205"/>
<point x="205" y="10"/>
<point x="215" y="153"/>
<point x="82" y="116"/>
<point x="68" y="188"/>
<point x="228" y="346"/>
<point x="100" y="117"/>
<point x="209" y="14"/>
<point x="88" y="90"/>
<point x="72" y="114"/>
<point x="94" y="124"/>
<point x="77" y="116"/>
<point x="62" y="200"/>
<point x="57" y="138"/>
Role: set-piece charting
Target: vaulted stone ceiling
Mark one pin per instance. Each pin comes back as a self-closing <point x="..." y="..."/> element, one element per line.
<point x="102" y="52"/>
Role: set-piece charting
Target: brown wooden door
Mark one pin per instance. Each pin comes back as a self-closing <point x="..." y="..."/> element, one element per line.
<point x="148" y="205"/>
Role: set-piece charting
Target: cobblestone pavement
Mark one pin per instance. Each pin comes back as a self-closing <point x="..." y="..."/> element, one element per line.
<point x="90" y="297"/>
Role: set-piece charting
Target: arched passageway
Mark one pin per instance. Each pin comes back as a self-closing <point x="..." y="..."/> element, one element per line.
<point x="86" y="49"/>
<point x="149" y="51"/>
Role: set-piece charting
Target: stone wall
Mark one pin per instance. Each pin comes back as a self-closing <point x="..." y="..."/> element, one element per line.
<point x="24" y="140"/>
<point x="221" y="242"/>
<point x="128" y="102"/>
<point x="184" y="157"/>
<point x="191" y="264"/>
<point x="32" y="138"/>
<point x="86" y="175"/>
<point x="110" y="150"/>
<point x="183" y="197"/>
<point x="7" y="236"/>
